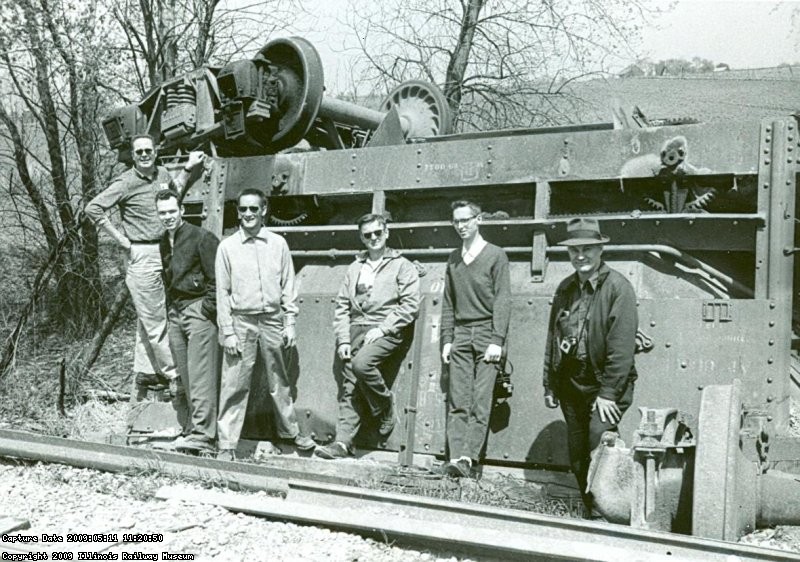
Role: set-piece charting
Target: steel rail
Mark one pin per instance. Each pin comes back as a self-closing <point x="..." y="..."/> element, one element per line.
<point x="479" y="530"/>
<point x="117" y="458"/>
<point x="326" y="500"/>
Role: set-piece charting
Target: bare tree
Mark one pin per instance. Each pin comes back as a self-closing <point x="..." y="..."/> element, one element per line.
<point x="501" y="62"/>
<point x="164" y="38"/>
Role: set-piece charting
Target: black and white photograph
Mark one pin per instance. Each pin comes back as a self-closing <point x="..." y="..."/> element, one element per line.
<point x="400" y="280"/>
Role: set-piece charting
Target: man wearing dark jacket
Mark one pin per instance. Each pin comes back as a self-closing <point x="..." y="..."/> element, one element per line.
<point x="589" y="368"/>
<point x="187" y="255"/>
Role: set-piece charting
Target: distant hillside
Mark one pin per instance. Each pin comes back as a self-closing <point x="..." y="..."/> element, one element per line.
<point x="735" y="94"/>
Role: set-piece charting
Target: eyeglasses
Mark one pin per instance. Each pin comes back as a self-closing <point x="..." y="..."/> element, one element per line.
<point x="373" y="234"/>
<point x="140" y="151"/>
<point x="459" y="222"/>
<point x="252" y="208"/>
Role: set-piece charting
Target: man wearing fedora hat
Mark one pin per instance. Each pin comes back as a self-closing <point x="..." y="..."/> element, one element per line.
<point x="589" y="369"/>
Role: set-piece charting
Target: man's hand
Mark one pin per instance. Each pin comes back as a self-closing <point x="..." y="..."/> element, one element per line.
<point x="609" y="411"/>
<point x="373" y="334"/>
<point x="231" y="345"/>
<point x="550" y="400"/>
<point x="344" y="352"/>
<point x="446" y="353"/>
<point x="195" y="158"/>
<point x="289" y="336"/>
<point x="493" y="353"/>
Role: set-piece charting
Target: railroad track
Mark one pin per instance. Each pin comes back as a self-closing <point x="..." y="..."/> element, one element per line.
<point x="326" y="500"/>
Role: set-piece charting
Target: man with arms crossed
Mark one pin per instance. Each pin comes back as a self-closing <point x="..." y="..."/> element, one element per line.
<point x="134" y="192"/>
<point x="475" y="316"/>
<point x="589" y="368"/>
<point x="375" y="310"/>
<point x="187" y="254"/>
<point x="256" y="311"/>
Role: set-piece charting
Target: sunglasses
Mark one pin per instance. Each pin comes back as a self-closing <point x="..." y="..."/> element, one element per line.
<point x="372" y="235"/>
<point x="140" y="151"/>
<point x="252" y="208"/>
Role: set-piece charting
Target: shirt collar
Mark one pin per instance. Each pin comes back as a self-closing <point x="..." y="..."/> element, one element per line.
<point x="477" y="245"/>
<point x="595" y="280"/>
<point x="388" y="254"/>
<point x="261" y="234"/>
<point x="144" y="177"/>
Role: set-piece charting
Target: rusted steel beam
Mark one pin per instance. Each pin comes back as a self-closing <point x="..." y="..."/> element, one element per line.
<point x="479" y="530"/>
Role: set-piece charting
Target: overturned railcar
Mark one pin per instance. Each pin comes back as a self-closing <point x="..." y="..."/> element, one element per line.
<point x="701" y="219"/>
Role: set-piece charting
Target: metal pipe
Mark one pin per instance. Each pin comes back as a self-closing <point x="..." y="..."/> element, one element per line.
<point x="350" y="113"/>
<point x="687" y="259"/>
<point x="779" y="499"/>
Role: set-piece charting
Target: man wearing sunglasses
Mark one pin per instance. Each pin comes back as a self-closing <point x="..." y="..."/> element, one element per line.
<point x="475" y="315"/>
<point x="375" y="311"/>
<point x="256" y="312"/>
<point x="133" y="192"/>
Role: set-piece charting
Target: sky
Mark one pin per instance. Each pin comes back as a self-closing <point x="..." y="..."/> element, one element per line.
<point x="741" y="33"/>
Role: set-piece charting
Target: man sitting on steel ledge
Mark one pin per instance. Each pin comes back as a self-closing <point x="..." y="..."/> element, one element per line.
<point x="375" y="311"/>
<point x="588" y="367"/>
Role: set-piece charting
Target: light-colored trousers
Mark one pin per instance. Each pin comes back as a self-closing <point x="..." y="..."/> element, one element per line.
<point x="143" y="278"/>
<point x="257" y="333"/>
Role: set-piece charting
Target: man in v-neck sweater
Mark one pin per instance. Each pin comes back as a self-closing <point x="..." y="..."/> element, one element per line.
<point x="475" y="317"/>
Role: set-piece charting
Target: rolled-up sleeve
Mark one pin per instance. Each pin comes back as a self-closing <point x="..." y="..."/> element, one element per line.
<point x="96" y="208"/>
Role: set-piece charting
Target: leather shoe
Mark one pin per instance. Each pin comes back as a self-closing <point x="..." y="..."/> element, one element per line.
<point x="336" y="450"/>
<point x="304" y="442"/>
<point x="458" y="469"/>
<point x="387" y="421"/>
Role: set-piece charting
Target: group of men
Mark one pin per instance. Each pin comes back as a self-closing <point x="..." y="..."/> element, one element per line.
<point x="190" y="290"/>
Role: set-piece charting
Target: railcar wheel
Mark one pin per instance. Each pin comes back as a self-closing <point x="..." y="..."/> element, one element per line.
<point x="301" y="83"/>
<point x="422" y="108"/>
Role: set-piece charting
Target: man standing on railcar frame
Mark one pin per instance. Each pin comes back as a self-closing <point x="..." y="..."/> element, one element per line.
<point x="475" y="317"/>
<point x="589" y="365"/>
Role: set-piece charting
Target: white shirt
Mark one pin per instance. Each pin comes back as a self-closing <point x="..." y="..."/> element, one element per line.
<point x="469" y="254"/>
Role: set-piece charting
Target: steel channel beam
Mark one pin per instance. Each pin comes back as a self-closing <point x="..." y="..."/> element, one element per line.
<point x="479" y="530"/>
<point x="115" y="458"/>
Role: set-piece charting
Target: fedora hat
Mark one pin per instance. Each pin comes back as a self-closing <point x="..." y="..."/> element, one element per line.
<point x="583" y="231"/>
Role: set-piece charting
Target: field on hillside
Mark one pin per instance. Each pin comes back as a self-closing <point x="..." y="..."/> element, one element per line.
<point x="706" y="99"/>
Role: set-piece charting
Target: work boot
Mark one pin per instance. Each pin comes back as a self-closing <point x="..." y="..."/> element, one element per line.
<point x="387" y="420"/>
<point x="336" y="450"/>
<point x="152" y="381"/>
<point x="193" y="445"/>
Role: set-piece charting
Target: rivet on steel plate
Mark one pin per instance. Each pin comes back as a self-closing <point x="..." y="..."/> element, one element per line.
<point x="333" y="299"/>
<point x="700" y="387"/>
<point x="766" y="151"/>
<point x="489" y="147"/>
<point x="735" y="223"/>
<point x="316" y="299"/>
<point x="769" y="380"/>
<point x="772" y="305"/>
<point x="691" y="223"/>
<point x="300" y="299"/>
<point x="417" y="180"/>
<point x="658" y="223"/>
<point x="488" y="175"/>
<point x="652" y="323"/>
<point x="431" y="374"/>
<point x="770" y="398"/>
<point x="352" y="182"/>
<point x="419" y="151"/>
<point x="427" y="447"/>
<point x="668" y="344"/>
<point x="771" y="323"/>
<point x="622" y="224"/>
<point x="766" y="160"/>
<point x="771" y="342"/>
<point x="769" y="418"/>
<point x="769" y="129"/>
<point x="766" y="185"/>
<point x="530" y="301"/>
<point x="770" y="360"/>
<point x="505" y="455"/>
<point x="353" y="156"/>
<point x="683" y="364"/>
<point x="353" y="169"/>
<point x="435" y="301"/>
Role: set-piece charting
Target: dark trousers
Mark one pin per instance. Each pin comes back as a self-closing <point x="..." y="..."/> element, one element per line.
<point x="363" y="373"/>
<point x="471" y="386"/>
<point x="585" y="428"/>
<point x="195" y="350"/>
